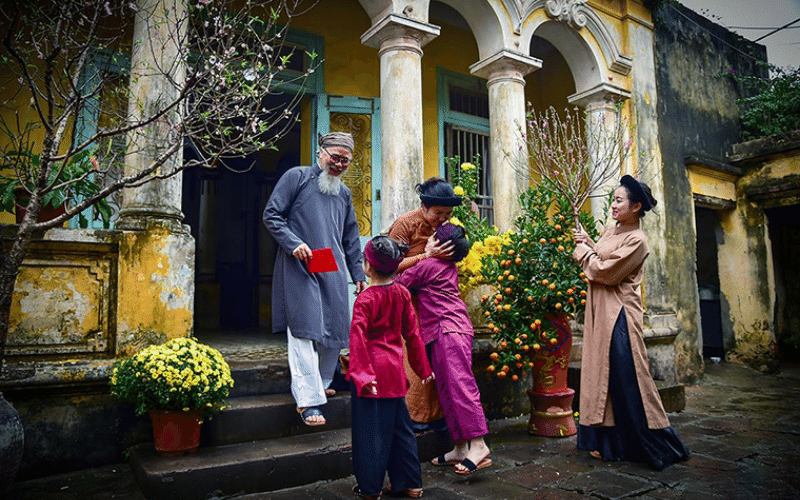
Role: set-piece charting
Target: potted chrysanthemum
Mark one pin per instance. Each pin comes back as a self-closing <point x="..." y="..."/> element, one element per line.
<point x="177" y="383"/>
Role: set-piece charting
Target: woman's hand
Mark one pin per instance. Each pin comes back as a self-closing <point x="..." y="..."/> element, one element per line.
<point x="429" y="379"/>
<point x="436" y="249"/>
<point x="372" y="388"/>
<point x="582" y="237"/>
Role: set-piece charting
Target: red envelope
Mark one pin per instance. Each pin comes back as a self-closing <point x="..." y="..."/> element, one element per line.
<point x="323" y="261"/>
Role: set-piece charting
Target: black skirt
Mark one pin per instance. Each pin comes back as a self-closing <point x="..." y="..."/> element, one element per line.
<point x="630" y="439"/>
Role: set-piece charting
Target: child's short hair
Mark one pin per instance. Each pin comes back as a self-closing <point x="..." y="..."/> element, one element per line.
<point x="384" y="254"/>
<point x="455" y="233"/>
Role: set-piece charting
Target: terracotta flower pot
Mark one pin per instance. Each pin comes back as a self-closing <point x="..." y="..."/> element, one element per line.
<point x="176" y="432"/>
<point x="551" y="399"/>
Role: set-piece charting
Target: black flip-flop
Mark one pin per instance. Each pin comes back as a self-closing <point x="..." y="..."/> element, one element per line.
<point x="471" y="467"/>
<point x="440" y="461"/>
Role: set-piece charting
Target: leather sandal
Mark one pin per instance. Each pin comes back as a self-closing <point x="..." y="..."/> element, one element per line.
<point x="471" y="468"/>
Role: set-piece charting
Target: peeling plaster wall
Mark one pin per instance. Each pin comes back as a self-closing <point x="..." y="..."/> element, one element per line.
<point x="748" y="280"/>
<point x="156" y="288"/>
<point x="746" y="284"/>
<point x="697" y="116"/>
<point x="84" y="299"/>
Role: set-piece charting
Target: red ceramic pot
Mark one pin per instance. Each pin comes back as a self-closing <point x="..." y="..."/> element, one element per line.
<point x="176" y="432"/>
<point x="551" y="399"/>
<point x="550" y="365"/>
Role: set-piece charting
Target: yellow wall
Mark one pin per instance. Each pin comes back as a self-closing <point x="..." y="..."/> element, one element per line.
<point x="712" y="183"/>
<point x="351" y="69"/>
<point x="746" y="268"/>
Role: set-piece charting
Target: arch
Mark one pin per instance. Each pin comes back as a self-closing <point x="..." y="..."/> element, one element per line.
<point x="582" y="61"/>
<point x="491" y="33"/>
<point x="492" y="28"/>
<point x="586" y="43"/>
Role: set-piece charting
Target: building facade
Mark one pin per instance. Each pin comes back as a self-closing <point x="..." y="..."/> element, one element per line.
<point x="415" y="82"/>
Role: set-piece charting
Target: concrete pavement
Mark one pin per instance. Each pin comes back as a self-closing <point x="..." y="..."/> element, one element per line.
<point x="740" y="425"/>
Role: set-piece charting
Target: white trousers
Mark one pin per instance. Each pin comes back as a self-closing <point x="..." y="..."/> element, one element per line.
<point x="311" y="366"/>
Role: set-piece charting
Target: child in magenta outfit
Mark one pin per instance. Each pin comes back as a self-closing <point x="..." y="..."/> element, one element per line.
<point x="448" y="334"/>
<point x="383" y="439"/>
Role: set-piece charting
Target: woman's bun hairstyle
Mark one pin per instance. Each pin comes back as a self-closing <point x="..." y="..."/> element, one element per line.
<point x="638" y="192"/>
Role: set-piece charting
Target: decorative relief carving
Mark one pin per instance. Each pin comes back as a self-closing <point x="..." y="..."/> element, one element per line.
<point x="62" y="301"/>
<point x="568" y="11"/>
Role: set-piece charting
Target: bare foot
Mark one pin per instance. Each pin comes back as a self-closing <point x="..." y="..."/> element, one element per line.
<point x="596" y="454"/>
<point x="330" y="392"/>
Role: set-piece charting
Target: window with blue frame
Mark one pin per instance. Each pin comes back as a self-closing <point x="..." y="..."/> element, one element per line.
<point x="464" y="130"/>
<point x="104" y="82"/>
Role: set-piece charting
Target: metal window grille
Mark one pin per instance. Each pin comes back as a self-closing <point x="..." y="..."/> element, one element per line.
<point x="467" y="144"/>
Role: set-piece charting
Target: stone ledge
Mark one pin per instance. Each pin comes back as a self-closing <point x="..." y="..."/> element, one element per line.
<point x="758" y="150"/>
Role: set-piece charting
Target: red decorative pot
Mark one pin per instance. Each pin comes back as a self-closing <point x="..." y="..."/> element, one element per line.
<point x="551" y="363"/>
<point x="551" y="399"/>
<point x="176" y="432"/>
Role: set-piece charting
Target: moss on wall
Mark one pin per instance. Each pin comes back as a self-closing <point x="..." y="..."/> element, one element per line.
<point x="697" y="116"/>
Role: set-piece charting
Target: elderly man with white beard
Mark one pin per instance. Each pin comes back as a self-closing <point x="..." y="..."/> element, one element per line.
<point x="311" y="208"/>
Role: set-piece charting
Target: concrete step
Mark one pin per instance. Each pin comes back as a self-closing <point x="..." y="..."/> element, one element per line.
<point x="268" y="376"/>
<point x="256" y="466"/>
<point x="254" y="418"/>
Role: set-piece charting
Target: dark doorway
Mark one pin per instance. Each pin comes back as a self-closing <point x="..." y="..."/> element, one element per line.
<point x="784" y="232"/>
<point x="235" y="253"/>
<point x="707" y="224"/>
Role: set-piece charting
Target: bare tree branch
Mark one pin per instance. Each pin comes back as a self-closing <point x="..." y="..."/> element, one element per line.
<point x="578" y="153"/>
<point x="71" y="120"/>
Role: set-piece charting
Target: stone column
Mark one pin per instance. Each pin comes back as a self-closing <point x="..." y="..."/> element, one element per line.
<point x="505" y="72"/>
<point x="155" y="71"/>
<point x="399" y="41"/>
<point x="155" y="281"/>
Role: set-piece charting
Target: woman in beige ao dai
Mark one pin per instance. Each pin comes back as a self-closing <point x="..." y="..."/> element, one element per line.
<point x="621" y="415"/>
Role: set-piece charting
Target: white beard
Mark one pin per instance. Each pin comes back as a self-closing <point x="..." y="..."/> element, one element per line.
<point x="329" y="184"/>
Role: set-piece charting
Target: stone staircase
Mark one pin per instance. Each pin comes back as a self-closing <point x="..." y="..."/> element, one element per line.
<point x="259" y="443"/>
